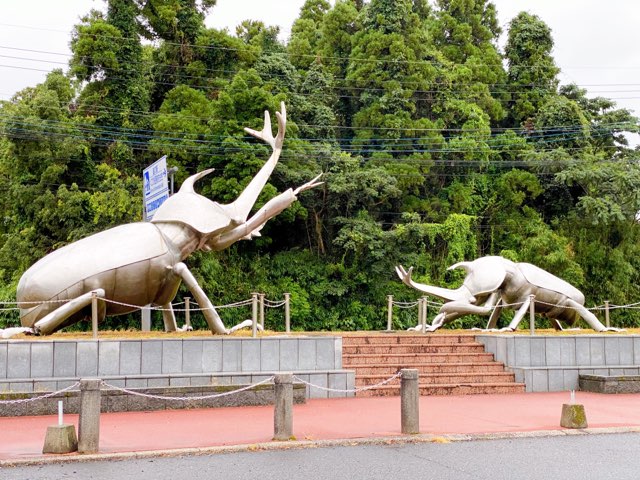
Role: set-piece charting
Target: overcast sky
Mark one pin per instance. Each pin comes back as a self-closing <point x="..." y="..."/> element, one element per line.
<point x="595" y="41"/>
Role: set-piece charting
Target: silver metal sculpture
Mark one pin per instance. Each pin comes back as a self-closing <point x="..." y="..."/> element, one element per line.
<point x="493" y="283"/>
<point x="138" y="264"/>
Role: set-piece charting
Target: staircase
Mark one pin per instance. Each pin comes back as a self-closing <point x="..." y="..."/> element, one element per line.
<point x="447" y="364"/>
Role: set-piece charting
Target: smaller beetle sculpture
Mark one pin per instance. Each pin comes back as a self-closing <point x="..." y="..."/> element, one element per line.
<point x="493" y="283"/>
<point x="137" y="264"/>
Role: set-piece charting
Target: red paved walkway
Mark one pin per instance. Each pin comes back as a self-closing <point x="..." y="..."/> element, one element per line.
<point x="22" y="437"/>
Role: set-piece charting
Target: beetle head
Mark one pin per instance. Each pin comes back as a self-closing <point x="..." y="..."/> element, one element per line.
<point x="194" y="210"/>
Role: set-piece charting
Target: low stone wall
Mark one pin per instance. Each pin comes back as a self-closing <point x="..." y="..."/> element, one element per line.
<point x="554" y="363"/>
<point x="113" y="400"/>
<point x="49" y="365"/>
<point x="610" y="383"/>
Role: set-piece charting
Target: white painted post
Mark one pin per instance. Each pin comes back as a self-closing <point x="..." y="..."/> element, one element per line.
<point x="254" y="315"/>
<point x="389" y="313"/>
<point x="94" y="314"/>
<point x="187" y="312"/>
<point x="607" y="321"/>
<point x="532" y="314"/>
<point x="423" y="307"/>
<point x="261" y="297"/>
<point x="146" y="319"/>
<point x="287" y="312"/>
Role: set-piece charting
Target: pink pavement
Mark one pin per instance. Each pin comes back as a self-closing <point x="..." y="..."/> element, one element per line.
<point x="324" y="419"/>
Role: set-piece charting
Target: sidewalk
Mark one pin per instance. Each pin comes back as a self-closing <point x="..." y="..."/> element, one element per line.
<point x="327" y="419"/>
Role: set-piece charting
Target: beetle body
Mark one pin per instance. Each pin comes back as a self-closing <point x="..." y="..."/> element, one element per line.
<point x="142" y="258"/>
<point x="493" y="283"/>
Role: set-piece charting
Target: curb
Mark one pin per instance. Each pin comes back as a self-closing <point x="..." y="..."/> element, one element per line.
<point x="299" y="444"/>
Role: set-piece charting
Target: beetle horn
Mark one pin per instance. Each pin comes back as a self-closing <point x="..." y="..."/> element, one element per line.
<point x="464" y="265"/>
<point x="446" y="294"/>
<point x="187" y="185"/>
<point x="240" y="209"/>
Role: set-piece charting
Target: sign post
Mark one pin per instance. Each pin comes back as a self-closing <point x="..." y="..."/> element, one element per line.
<point x="155" y="191"/>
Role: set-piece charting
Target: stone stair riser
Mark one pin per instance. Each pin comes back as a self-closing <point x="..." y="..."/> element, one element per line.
<point x="351" y="360"/>
<point x="426" y="368"/>
<point x="407" y="339"/>
<point x="443" y="379"/>
<point x="400" y="349"/>
<point x="448" y="390"/>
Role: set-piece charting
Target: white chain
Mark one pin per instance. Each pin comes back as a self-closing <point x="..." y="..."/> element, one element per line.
<point x="46" y="395"/>
<point x="405" y="304"/>
<point x="349" y="390"/>
<point x="273" y="304"/>
<point x="184" y="399"/>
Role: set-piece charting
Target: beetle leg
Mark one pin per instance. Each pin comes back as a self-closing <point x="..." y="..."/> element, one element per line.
<point x="211" y="316"/>
<point x="54" y="320"/>
<point x="169" y="318"/>
<point x="590" y="318"/>
<point x="517" y="318"/>
<point x="494" y="302"/>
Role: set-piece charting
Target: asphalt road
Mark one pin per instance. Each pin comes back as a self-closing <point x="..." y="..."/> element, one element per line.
<point x="579" y="457"/>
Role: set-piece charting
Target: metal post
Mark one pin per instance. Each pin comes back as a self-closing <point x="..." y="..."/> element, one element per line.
<point x="422" y="305"/>
<point x="254" y="315"/>
<point x="261" y="297"/>
<point x="532" y="314"/>
<point x="425" y="314"/>
<point x="287" y="312"/>
<point x="94" y="314"/>
<point x="187" y="311"/>
<point x="389" y="313"/>
<point x="409" y="401"/>
<point x="420" y="311"/>
<point x="172" y="172"/>
<point x="146" y="319"/>
<point x="283" y="411"/>
<point x="89" y="419"/>
<point x="607" y="320"/>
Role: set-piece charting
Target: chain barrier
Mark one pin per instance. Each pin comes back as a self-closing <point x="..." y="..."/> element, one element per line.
<point x="273" y="303"/>
<point x="40" y="397"/>
<point x="413" y="304"/>
<point x="185" y="399"/>
<point x="241" y="303"/>
<point x="405" y="304"/>
<point x="349" y="390"/>
<point x="276" y="304"/>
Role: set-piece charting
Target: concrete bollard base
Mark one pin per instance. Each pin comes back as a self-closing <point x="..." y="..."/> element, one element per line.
<point x="573" y="416"/>
<point x="60" y="439"/>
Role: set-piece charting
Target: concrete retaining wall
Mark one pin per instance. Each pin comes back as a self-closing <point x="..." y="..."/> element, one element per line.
<point x="553" y="363"/>
<point x="113" y="400"/>
<point x="45" y="365"/>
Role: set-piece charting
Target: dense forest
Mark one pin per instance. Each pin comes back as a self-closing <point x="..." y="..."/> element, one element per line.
<point x="435" y="144"/>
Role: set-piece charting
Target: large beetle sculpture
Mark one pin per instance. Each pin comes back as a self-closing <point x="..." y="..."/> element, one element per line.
<point x="137" y="264"/>
<point x="493" y="283"/>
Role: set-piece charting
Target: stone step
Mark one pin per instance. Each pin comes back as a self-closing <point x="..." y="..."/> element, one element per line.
<point x="352" y="360"/>
<point x="407" y="339"/>
<point x="383" y="348"/>
<point x="467" y="367"/>
<point x="449" y="389"/>
<point x="443" y="379"/>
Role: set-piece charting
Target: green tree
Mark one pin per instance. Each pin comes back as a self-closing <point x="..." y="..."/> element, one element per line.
<point x="532" y="72"/>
